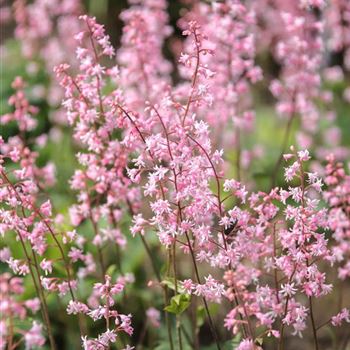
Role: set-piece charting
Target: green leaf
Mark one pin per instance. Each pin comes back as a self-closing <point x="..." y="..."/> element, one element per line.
<point x="178" y="304"/>
<point x="170" y="283"/>
<point x="236" y="340"/>
<point x="111" y="269"/>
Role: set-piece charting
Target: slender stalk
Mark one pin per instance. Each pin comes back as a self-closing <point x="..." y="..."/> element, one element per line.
<point x="194" y="312"/>
<point x="323" y="324"/>
<point x="275" y="269"/>
<point x="178" y="317"/>
<point x="41" y="290"/>
<point x="187" y="336"/>
<point x="156" y="272"/>
<point x="314" y="330"/>
<point x="211" y="323"/>
<point x="167" y="300"/>
<point x="99" y="251"/>
<point x="107" y="315"/>
<point x="194" y="78"/>
<point x="147" y="248"/>
<point x="150" y="255"/>
<point x="302" y="183"/>
<point x="39" y="293"/>
<point x="117" y="248"/>
<point x="282" y="150"/>
<point x="167" y="319"/>
<point x="281" y="331"/>
<point x="282" y="326"/>
<point x="10" y="336"/>
<point x="142" y="336"/>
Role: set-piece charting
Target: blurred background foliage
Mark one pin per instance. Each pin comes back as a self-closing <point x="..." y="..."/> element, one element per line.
<point x="61" y="151"/>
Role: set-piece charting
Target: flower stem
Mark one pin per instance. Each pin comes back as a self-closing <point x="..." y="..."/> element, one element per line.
<point x="314" y="330"/>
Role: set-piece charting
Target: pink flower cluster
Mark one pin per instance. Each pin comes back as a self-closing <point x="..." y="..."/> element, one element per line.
<point x="13" y="309"/>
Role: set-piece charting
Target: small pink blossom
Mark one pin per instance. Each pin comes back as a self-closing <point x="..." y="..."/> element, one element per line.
<point x="34" y="338"/>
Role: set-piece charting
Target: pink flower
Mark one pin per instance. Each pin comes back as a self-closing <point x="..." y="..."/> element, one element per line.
<point x="247" y="344"/>
<point x="46" y="265"/>
<point x="288" y="289"/>
<point x="304" y="155"/>
<point x="33" y="304"/>
<point x="153" y="316"/>
<point x="75" y="307"/>
<point x="34" y="338"/>
<point x="343" y="315"/>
